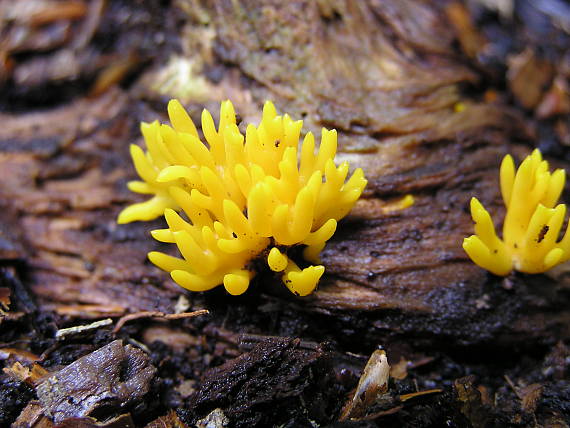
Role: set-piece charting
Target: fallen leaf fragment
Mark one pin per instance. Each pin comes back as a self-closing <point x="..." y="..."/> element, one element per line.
<point x="372" y="384"/>
<point x="170" y="420"/>
<point x="406" y="397"/>
<point x="24" y="374"/>
<point x="527" y="77"/>
<point x="556" y="101"/>
<point x="470" y="401"/>
<point x="530" y="396"/>
<point x="400" y="369"/>
<point x="4" y="300"/>
<point x="470" y="39"/>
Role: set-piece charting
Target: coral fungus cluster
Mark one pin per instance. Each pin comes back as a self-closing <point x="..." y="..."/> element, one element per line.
<point x="532" y="223"/>
<point x="242" y="197"/>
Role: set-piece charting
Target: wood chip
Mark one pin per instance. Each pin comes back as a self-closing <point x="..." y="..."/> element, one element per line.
<point x="56" y="11"/>
<point x="216" y="419"/>
<point x="113" y="377"/>
<point x="18" y="354"/>
<point x="170" y="420"/>
<point x="530" y="396"/>
<point x="174" y="338"/>
<point x="81" y="329"/>
<point x="32" y="417"/>
<point x="121" y="421"/>
<point x="186" y="388"/>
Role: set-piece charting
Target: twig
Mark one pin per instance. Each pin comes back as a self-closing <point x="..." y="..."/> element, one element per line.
<point x="157" y="314"/>
<point x="62" y="333"/>
<point x="513" y="387"/>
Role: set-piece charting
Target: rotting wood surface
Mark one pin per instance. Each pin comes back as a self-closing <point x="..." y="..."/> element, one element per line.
<point x="390" y="81"/>
<point x="65" y="170"/>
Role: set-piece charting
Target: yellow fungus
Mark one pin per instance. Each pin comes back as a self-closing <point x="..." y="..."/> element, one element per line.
<point x="241" y="196"/>
<point x="276" y="260"/>
<point x="399" y="204"/>
<point x="532" y="223"/>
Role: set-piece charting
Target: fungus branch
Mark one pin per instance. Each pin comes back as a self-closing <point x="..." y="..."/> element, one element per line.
<point x="532" y="223"/>
<point x="240" y="195"/>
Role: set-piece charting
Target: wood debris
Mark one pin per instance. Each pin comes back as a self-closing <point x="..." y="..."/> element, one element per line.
<point x="157" y="315"/>
<point x="170" y="420"/>
<point x="121" y="421"/>
<point x="4" y="300"/>
<point x="372" y="386"/>
<point x="32" y="417"/>
<point x="63" y="333"/>
<point x="112" y="376"/>
<point x="21" y="355"/>
<point x="528" y="77"/>
<point x="400" y="369"/>
<point x="425" y="108"/>
<point x="530" y="396"/>
<point x="216" y="419"/>
<point x="29" y="375"/>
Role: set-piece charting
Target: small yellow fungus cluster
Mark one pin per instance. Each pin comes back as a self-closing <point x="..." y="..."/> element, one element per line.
<point x="532" y="223"/>
<point x="242" y="197"/>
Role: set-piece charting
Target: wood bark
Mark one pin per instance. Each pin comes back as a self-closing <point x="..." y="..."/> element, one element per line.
<point x="398" y="80"/>
<point x="388" y="80"/>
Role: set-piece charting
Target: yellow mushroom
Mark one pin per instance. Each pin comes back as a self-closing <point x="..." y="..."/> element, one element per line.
<point x="240" y="196"/>
<point x="532" y="223"/>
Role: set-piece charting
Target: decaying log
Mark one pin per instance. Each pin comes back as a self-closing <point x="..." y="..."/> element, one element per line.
<point x="416" y="94"/>
<point x="276" y="372"/>
<point x="394" y="101"/>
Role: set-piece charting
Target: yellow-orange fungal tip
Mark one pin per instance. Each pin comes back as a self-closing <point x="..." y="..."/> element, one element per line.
<point x="407" y="201"/>
<point x="240" y="194"/>
<point x="400" y="204"/>
<point x="303" y="283"/>
<point x="236" y="283"/>
<point x="276" y="260"/>
<point x="532" y="222"/>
